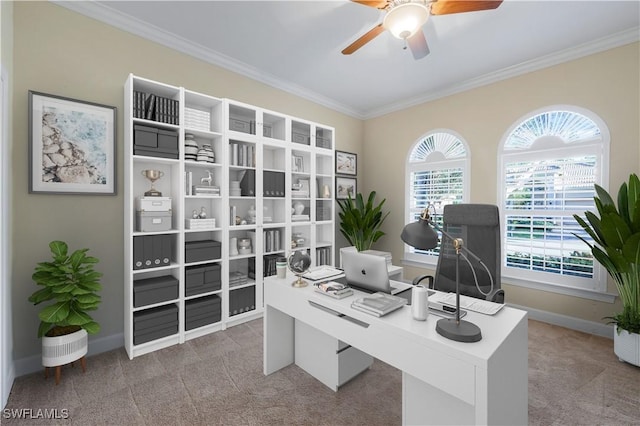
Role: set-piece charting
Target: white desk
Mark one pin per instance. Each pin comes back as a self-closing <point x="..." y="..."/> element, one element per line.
<point x="443" y="382"/>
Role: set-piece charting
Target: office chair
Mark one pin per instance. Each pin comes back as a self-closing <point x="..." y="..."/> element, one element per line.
<point x="479" y="226"/>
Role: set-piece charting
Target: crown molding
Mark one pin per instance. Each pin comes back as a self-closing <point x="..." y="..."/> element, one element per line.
<point x="609" y="42"/>
<point x="143" y="29"/>
<point x="124" y="22"/>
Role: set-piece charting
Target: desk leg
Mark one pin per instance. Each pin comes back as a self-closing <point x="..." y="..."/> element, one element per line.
<point x="278" y="340"/>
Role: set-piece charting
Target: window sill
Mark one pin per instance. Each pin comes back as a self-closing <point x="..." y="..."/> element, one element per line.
<point x="554" y="288"/>
<point x="535" y="285"/>
<point x="419" y="264"/>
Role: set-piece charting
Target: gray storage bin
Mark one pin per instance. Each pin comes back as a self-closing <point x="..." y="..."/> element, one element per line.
<point x="242" y="300"/>
<point x="150" y="221"/>
<point x="154" y="323"/>
<point x="202" y="311"/>
<point x="155" y="142"/>
<point x="202" y="279"/>
<point x="151" y="251"/>
<point x="145" y="136"/>
<point x="198" y="251"/>
<point x="148" y="291"/>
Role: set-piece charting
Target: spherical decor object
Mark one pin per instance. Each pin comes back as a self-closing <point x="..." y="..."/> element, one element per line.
<point x="299" y="263"/>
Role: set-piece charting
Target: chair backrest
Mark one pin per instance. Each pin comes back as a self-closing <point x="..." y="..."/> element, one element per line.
<point x="479" y="227"/>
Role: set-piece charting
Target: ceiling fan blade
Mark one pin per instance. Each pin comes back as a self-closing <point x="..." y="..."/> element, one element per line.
<point x="446" y="7"/>
<point x="418" y="45"/>
<point x="378" y="4"/>
<point x="375" y="31"/>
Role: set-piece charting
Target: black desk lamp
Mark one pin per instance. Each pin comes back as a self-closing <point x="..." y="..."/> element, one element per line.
<point x="422" y="236"/>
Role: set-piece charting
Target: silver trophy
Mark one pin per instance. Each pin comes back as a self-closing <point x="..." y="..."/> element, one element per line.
<point x="152" y="175"/>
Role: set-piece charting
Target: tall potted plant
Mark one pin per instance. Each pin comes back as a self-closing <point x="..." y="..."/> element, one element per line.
<point x="71" y="283"/>
<point x="360" y="222"/>
<point x="616" y="236"/>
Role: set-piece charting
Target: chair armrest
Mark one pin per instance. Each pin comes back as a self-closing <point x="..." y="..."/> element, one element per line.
<point x="417" y="280"/>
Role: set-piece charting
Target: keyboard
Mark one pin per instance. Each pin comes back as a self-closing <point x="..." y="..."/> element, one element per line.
<point x="469" y="303"/>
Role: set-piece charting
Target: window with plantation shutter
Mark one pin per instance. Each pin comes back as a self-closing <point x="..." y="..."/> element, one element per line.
<point x="436" y="175"/>
<point x="550" y="161"/>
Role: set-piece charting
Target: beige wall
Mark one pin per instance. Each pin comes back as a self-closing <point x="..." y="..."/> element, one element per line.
<point x="606" y="83"/>
<point x="60" y="52"/>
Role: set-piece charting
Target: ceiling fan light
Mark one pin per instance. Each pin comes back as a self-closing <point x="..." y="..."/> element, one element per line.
<point x="405" y="19"/>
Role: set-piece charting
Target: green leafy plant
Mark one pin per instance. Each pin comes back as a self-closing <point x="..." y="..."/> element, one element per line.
<point x="71" y="283"/>
<point x="616" y="236"/>
<point x="360" y="222"/>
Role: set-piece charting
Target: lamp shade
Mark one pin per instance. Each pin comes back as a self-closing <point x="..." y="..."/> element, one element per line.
<point x="420" y="235"/>
<point x="404" y="20"/>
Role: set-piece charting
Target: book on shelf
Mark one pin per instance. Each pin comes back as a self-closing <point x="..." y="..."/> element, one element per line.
<point x="333" y="289"/>
<point x="378" y="304"/>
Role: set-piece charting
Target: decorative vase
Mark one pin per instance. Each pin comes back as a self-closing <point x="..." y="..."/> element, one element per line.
<point x="206" y="154"/>
<point x="298" y="208"/>
<point x="61" y="350"/>
<point x="626" y="346"/>
<point x="233" y="246"/>
<point x="190" y="147"/>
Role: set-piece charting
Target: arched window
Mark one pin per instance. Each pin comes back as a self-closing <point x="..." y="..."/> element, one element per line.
<point x="550" y="161"/>
<point x="437" y="171"/>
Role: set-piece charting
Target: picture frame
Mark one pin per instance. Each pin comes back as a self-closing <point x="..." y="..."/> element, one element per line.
<point x="346" y="186"/>
<point x="346" y="163"/>
<point x="297" y="164"/>
<point x="72" y="146"/>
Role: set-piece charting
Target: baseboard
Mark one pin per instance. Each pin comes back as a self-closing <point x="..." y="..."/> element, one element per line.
<point x="7" y="384"/>
<point x="96" y="346"/>
<point x="572" y="323"/>
<point x="34" y="363"/>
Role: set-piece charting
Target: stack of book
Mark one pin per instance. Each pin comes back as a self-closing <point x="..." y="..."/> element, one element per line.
<point x="237" y="278"/>
<point x="197" y="119"/>
<point x="378" y="304"/>
<point x="300" y="217"/>
<point x="200" y="223"/>
<point x="333" y="289"/>
<point x="213" y="191"/>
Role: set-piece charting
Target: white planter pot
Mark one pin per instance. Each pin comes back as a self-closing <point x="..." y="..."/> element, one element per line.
<point x="61" y="350"/>
<point x="627" y="346"/>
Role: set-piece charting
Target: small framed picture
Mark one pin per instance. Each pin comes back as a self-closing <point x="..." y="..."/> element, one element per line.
<point x="72" y="146"/>
<point x="345" y="187"/>
<point x="297" y="164"/>
<point x="346" y="163"/>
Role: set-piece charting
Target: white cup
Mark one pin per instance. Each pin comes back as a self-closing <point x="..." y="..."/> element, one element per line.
<point x="281" y="268"/>
<point x="419" y="308"/>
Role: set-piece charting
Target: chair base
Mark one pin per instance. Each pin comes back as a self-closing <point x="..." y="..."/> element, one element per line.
<point x="462" y="331"/>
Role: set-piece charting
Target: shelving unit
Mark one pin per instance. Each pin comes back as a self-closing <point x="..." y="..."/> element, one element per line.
<point x="265" y="164"/>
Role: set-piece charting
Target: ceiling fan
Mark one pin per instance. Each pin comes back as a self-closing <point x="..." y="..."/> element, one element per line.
<point x="404" y="20"/>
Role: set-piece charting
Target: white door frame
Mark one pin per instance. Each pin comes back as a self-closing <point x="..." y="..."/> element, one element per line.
<point x="6" y="343"/>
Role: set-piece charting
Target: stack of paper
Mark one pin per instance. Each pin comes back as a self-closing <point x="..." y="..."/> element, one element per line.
<point x="378" y="304"/>
<point x="322" y="272"/>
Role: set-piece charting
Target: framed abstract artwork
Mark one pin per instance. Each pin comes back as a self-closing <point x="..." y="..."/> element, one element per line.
<point x="72" y="146"/>
<point x="346" y="163"/>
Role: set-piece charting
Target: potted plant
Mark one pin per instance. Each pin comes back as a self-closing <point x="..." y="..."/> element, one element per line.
<point x="616" y="236"/>
<point x="360" y="222"/>
<point x="71" y="283"/>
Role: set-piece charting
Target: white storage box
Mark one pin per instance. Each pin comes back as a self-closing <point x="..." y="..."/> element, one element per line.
<point x="153" y="221"/>
<point x="153" y="204"/>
